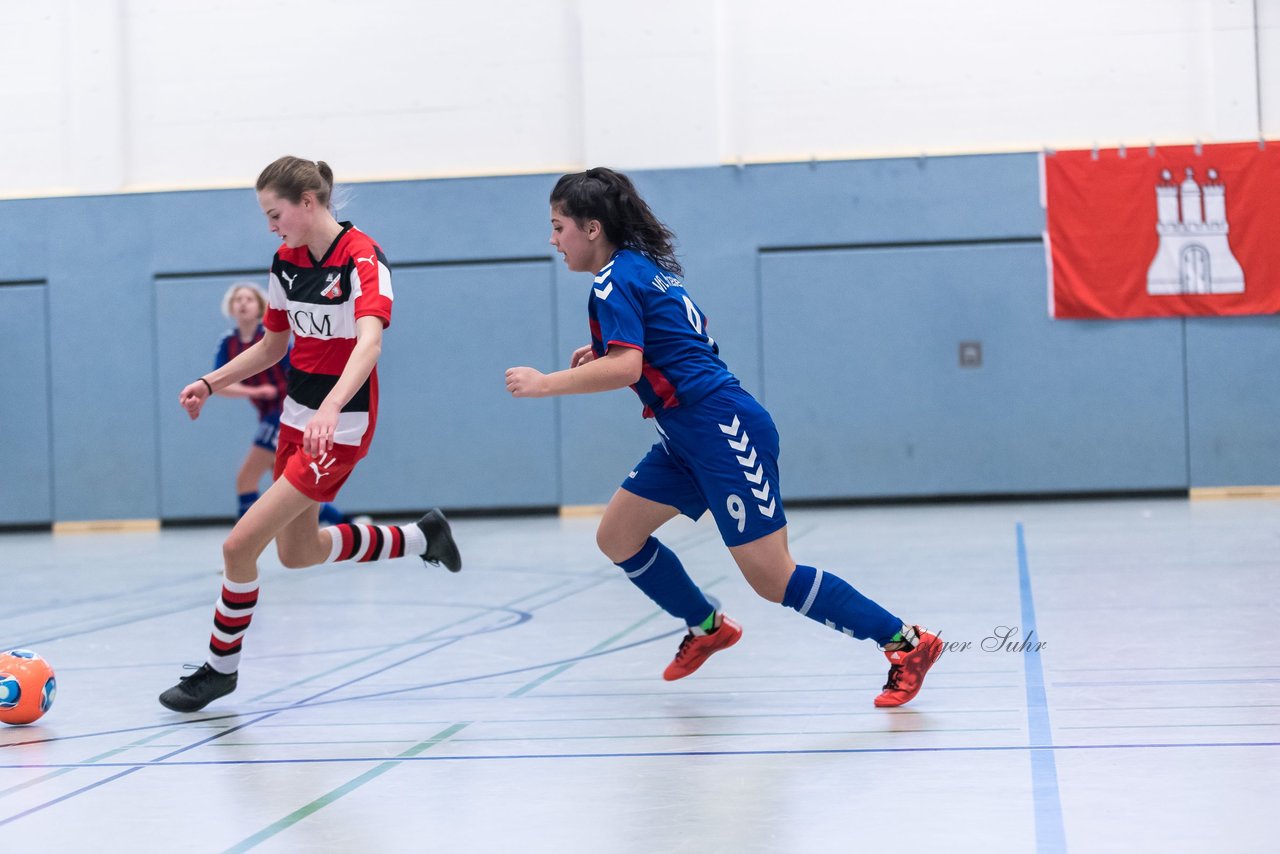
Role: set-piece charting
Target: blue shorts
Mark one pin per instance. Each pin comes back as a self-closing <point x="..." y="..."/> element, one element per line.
<point x="720" y="454"/>
<point x="268" y="433"/>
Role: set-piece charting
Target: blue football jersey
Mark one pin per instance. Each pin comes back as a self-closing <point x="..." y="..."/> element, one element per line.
<point x="635" y="303"/>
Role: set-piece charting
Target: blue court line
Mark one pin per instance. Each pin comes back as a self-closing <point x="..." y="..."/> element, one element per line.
<point x="1050" y="835"/>
<point x="351" y="785"/>
<point x="138" y="766"/>
<point x="639" y="754"/>
<point x="313" y="701"/>
<point x="261" y="717"/>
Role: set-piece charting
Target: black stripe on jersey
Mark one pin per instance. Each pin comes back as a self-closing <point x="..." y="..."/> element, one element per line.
<point x="311" y="389"/>
<point x="314" y="285"/>
<point x="378" y="541"/>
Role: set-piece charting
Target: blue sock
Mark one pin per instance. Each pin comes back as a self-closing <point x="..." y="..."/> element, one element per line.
<point x="246" y="501"/>
<point x="330" y="515"/>
<point x="657" y="571"/>
<point x="830" y="600"/>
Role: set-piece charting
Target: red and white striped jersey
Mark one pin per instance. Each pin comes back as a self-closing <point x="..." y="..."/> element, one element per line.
<point x="319" y="301"/>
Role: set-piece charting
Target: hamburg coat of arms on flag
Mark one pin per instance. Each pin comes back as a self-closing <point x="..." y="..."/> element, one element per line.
<point x="1163" y="232"/>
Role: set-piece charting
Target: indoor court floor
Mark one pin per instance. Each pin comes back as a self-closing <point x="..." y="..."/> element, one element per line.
<point x="519" y="707"/>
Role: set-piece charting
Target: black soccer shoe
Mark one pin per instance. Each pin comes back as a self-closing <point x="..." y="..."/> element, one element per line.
<point x="441" y="549"/>
<point x="194" y="692"/>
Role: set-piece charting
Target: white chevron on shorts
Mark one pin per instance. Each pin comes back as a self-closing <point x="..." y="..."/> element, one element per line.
<point x="752" y="471"/>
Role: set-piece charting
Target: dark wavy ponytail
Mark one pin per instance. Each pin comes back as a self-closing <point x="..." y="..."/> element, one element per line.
<point x="610" y="197"/>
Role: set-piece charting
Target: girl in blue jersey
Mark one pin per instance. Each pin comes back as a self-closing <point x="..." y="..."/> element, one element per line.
<point x="245" y="304"/>
<point x="717" y="447"/>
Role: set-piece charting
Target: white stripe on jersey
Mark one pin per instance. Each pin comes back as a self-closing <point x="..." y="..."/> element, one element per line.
<point x="351" y="425"/>
<point x="384" y="282"/>
<point x="275" y="292"/>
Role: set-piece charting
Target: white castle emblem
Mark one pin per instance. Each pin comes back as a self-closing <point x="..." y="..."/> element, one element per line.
<point x="1193" y="256"/>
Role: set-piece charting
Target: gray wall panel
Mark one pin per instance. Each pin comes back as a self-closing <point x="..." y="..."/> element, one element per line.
<point x="448" y="433"/>
<point x="854" y="350"/>
<point x="863" y="379"/>
<point x="105" y="454"/>
<point x="26" y="468"/>
<point x="198" y="459"/>
<point x="1233" y="391"/>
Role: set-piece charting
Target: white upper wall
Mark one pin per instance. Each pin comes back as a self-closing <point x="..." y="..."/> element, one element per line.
<point x="123" y="95"/>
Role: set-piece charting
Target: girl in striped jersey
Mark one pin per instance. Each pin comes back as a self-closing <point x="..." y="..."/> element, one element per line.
<point x="330" y="287"/>
<point x="717" y="447"/>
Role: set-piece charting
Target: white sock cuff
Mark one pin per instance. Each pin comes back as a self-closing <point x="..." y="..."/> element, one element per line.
<point x="224" y="664"/>
<point x="415" y="541"/>
<point x="239" y="586"/>
<point x="335" y="543"/>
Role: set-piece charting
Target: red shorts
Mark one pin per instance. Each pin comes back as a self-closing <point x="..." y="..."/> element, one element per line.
<point x="318" y="479"/>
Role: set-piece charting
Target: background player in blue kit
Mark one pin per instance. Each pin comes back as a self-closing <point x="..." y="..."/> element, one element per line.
<point x="330" y="289"/>
<point x="717" y="447"/>
<point x="245" y="304"/>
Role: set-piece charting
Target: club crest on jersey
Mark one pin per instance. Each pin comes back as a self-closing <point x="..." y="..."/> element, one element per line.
<point x="332" y="287"/>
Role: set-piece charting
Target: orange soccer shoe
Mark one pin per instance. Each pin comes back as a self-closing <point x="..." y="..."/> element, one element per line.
<point x="907" y="668"/>
<point x="695" y="649"/>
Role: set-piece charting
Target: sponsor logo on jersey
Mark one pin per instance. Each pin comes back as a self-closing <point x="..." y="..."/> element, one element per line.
<point x="317" y="324"/>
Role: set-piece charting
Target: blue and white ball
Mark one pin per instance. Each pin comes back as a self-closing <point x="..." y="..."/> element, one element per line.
<point x="27" y="687"/>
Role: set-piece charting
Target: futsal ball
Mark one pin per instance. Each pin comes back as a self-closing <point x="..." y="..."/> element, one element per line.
<point x="27" y="686"/>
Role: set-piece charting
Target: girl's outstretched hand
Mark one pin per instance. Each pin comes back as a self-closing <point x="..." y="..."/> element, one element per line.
<point x="192" y="398"/>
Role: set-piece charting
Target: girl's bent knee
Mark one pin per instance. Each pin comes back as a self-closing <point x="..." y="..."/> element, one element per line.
<point x="290" y="560"/>
<point x="615" y="549"/>
<point x="770" y="592"/>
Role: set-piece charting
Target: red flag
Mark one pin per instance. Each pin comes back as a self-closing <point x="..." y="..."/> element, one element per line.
<point x="1159" y="234"/>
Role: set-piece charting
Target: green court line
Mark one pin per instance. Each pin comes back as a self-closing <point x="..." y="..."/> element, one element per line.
<point x="92" y="759"/>
<point x="554" y="672"/>
<point x="392" y="647"/>
<point x="355" y="783"/>
<point x="347" y="787"/>
<point x="603" y="574"/>
<point x="551" y="674"/>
